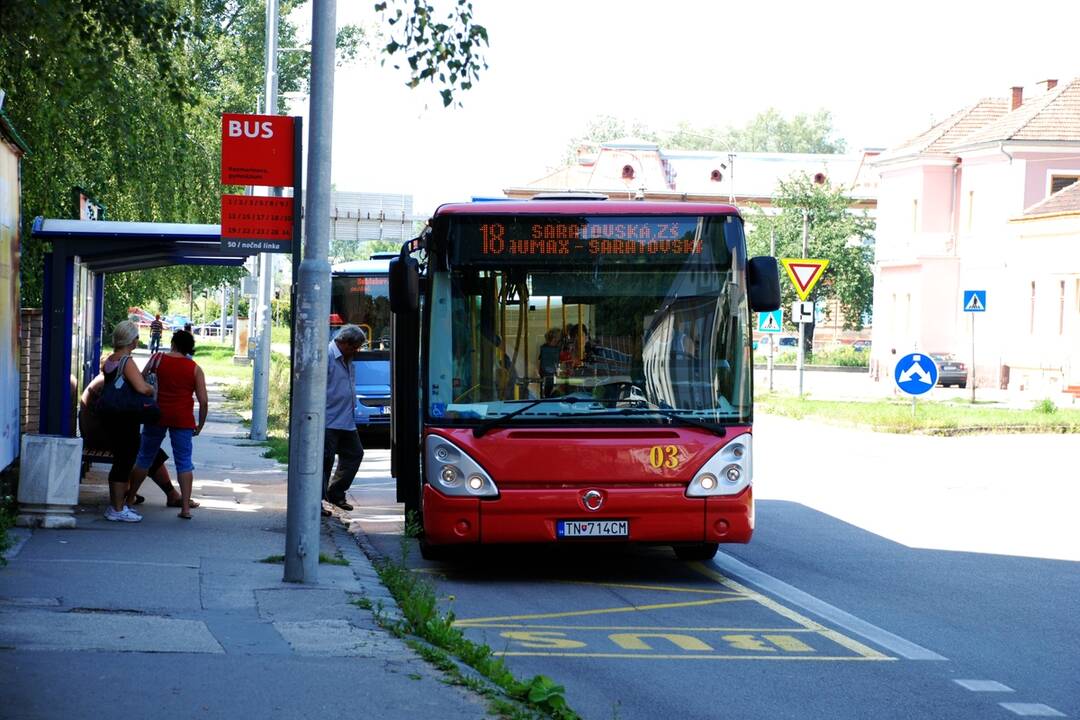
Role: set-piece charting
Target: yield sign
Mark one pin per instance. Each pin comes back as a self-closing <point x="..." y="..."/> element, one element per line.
<point x="804" y="274"/>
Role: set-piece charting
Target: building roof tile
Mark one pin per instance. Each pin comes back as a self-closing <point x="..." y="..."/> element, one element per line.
<point x="941" y="137"/>
<point x="1063" y="201"/>
<point x="1051" y="116"/>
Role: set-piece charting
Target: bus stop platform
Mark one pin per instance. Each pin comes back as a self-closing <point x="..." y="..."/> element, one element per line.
<point x="172" y="618"/>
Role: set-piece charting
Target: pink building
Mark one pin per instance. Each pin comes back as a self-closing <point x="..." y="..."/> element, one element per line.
<point x="958" y="209"/>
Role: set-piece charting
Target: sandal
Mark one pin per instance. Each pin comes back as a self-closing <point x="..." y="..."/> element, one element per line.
<point x="179" y="503"/>
<point x="139" y="499"/>
<point x="185" y="516"/>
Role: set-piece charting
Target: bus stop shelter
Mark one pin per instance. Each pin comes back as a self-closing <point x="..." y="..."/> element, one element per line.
<point x="83" y="253"/>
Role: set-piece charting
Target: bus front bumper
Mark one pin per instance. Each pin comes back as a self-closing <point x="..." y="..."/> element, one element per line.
<point x="654" y="515"/>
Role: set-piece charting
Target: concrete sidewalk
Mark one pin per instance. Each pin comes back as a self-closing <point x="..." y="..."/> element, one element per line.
<point x="170" y="618"/>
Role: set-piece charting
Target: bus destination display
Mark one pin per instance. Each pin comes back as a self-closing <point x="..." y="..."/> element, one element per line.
<point x="580" y="239"/>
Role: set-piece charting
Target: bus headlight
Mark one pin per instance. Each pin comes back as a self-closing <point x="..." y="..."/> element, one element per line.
<point x="452" y="472"/>
<point x="728" y="472"/>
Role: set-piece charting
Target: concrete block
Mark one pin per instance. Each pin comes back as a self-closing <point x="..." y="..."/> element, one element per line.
<point x="49" y="481"/>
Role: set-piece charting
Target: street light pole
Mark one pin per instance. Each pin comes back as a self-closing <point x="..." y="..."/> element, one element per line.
<point x="260" y="394"/>
<point x="307" y="416"/>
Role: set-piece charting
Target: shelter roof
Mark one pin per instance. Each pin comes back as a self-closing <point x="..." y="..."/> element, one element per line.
<point x="111" y="246"/>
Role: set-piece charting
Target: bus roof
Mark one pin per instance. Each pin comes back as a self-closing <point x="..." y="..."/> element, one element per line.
<point x="380" y="266"/>
<point x="585" y="207"/>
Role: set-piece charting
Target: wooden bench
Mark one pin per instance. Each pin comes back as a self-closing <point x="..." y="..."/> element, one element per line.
<point x="95" y="455"/>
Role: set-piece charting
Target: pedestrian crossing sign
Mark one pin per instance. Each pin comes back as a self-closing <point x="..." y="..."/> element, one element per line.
<point x="804" y="273"/>
<point x="769" y="322"/>
<point x="974" y="301"/>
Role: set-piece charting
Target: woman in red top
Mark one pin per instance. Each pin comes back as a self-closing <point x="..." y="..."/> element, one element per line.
<point x="179" y="380"/>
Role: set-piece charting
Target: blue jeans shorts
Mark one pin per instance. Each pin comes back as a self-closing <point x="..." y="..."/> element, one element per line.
<point x="152" y="435"/>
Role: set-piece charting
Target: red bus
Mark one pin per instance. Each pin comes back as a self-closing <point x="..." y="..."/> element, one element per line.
<point x="574" y="370"/>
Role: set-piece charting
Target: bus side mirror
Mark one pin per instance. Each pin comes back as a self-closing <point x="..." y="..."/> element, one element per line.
<point x="763" y="279"/>
<point x="404" y="285"/>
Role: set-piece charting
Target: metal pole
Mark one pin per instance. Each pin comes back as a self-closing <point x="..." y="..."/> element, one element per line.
<point x="307" y="426"/>
<point x="772" y="340"/>
<point x="802" y="326"/>
<point x="260" y="395"/>
<point x="224" y="312"/>
<point x="236" y="319"/>
<point x="973" y="375"/>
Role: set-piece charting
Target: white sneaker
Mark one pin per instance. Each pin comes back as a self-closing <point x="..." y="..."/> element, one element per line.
<point x="125" y="515"/>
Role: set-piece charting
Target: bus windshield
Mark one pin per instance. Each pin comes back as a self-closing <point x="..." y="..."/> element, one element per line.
<point x="626" y="318"/>
<point x="362" y="300"/>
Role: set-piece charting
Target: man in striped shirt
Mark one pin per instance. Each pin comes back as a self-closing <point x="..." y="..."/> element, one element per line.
<point x="155" y="333"/>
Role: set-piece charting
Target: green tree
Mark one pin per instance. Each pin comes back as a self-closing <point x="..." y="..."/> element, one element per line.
<point x="836" y="232"/>
<point x="768" y="131"/>
<point x="124" y="97"/>
<point x="605" y="128"/>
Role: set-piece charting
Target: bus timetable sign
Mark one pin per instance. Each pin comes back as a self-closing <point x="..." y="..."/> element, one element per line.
<point x="257" y="150"/>
<point x="260" y="150"/>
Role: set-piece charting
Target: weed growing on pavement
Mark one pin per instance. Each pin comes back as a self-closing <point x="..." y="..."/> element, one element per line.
<point x="422" y="617"/>
<point x="5" y="539"/>
<point x="363" y="603"/>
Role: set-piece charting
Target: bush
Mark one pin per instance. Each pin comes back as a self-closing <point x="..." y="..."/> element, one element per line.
<point x="1046" y="407"/>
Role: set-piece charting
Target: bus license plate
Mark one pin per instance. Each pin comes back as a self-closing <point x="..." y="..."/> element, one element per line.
<point x="592" y="528"/>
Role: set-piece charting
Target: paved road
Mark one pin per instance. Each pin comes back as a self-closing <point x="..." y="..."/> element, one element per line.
<point x="889" y="577"/>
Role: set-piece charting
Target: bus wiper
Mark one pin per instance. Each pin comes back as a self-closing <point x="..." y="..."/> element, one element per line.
<point x="481" y="429"/>
<point x="670" y="414"/>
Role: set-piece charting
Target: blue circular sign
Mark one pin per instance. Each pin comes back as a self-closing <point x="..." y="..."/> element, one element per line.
<point x="916" y="373"/>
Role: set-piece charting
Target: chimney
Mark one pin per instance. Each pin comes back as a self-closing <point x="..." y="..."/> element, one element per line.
<point x="1050" y="84"/>
<point x="1017" y="97"/>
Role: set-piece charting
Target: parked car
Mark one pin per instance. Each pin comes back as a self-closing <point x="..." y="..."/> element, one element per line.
<point x="791" y="343"/>
<point x="950" y="370"/>
<point x="860" y="345"/>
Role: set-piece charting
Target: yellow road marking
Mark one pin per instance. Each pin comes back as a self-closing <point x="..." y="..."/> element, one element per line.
<point x="472" y="622"/>
<point x="662" y="588"/>
<point x="650" y="656"/>
<point x="784" y="611"/>
<point x="657" y="628"/>
<point x="633" y="641"/>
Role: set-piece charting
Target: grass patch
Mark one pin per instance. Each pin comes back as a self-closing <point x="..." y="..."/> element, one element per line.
<point x="239" y="396"/>
<point x="840" y="357"/>
<point x="423" y="618"/>
<point x="324" y="559"/>
<point x="938" y="418"/>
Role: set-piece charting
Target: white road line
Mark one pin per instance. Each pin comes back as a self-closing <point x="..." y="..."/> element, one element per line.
<point x="883" y="638"/>
<point x="1032" y="709"/>
<point x="983" y="686"/>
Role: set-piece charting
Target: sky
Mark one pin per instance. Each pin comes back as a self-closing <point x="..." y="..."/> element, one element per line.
<point x="885" y="71"/>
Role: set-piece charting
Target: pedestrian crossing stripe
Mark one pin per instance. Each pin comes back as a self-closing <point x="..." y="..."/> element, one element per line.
<point x="804" y="273"/>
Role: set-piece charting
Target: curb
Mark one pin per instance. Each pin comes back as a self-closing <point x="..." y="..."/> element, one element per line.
<point x="361" y="555"/>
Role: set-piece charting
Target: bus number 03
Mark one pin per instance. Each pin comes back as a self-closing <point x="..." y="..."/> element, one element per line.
<point x="664" y="456"/>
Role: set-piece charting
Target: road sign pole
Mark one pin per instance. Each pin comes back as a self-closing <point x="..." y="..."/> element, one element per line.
<point x="802" y="325"/>
<point x="972" y="358"/>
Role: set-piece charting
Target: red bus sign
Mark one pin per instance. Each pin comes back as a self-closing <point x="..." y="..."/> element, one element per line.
<point x="251" y="222"/>
<point x="257" y="150"/>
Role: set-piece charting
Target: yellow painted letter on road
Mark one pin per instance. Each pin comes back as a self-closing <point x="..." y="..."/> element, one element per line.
<point x="548" y="640"/>
<point x="747" y="642"/>
<point x="633" y="641"/>
<point x="789" y="643"/>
